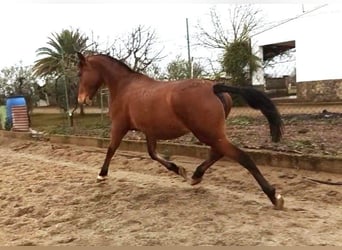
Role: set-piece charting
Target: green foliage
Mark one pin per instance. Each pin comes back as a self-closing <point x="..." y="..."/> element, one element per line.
<point x="179" y="69"/>
<point x="59" y="64"/>
<point x="59" y="56"/>
<point x="86" y="125"/>
<point x="8" y="125"/>
<point x="239" y="62"/>
<point x="19" y="80"/>
<point x="153" y="70"/>
<point x="240" y="121"/>
<point x="233" y="37"/>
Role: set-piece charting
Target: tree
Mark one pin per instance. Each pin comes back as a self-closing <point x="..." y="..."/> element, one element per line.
<point x="155" y="71"/>
<point x="138" y="49"/>
<point x="59" y="62"/>
<point x="19" y="80"/>
<point x="179" y="69"/>
<point x="238" y="60"/>
<point x="59" y="57"/>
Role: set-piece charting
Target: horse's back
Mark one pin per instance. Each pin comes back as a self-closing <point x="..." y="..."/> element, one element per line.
<point x="196" y="104"/>
<point x="198" y="96"/>
<point x="150" y="110"/>
<point x="171" y="109"/>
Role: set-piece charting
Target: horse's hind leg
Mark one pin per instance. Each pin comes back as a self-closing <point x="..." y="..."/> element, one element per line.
<point x="233" y="152"/>
<point x="151" y="148"/>
<point x="200" y="170"/>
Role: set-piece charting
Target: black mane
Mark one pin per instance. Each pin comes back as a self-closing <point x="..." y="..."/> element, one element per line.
<point x="116" y="61"/>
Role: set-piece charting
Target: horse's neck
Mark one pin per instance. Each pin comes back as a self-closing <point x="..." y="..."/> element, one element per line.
<point x="117" y="77"/>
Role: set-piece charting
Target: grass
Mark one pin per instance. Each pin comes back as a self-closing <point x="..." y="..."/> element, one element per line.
<point x="94" y="124"/>
<point x="89" y="124"/>
<point x="240" y="120"/>
<point x="243" y="131"/>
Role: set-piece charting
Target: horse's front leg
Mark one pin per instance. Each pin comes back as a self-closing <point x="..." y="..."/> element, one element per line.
<point x="151" y="148"/>
<point x="116" y="136"/>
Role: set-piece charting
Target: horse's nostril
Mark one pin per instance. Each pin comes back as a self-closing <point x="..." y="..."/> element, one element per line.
<point x="84" y="100"/>
<point x="80" y="100"/>
<point x="88" y="101"/>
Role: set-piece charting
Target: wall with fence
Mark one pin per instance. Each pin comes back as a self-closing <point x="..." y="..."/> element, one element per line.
<point x="309" y="127"/>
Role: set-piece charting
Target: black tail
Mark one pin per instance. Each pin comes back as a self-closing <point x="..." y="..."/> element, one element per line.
<point x="257" y="100"/>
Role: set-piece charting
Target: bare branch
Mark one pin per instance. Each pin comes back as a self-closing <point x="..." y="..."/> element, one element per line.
<point x="138" y="49"/>
<point x="218" y="39"/>
<point x="243" y="19"/>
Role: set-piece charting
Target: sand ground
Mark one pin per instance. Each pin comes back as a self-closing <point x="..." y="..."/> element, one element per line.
<point x="49" y="196"/>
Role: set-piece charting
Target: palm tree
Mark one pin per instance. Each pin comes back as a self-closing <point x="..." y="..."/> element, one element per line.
<point x="58" y="61"/>
<point x="59" y="56"/>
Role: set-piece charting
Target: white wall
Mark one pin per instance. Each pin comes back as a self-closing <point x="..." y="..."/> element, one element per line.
<point x="318" y="39"/>
<point x="319" y="51"/>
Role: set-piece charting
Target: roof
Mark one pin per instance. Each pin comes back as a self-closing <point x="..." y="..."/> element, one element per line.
<point x="275" y="49"/>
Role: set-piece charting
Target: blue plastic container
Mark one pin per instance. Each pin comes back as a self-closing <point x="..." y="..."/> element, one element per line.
<point x="13" y="101"/>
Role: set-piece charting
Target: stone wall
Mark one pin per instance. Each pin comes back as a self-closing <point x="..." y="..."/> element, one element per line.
<point x="275" y="83"/>
<point x="320" y="91"/>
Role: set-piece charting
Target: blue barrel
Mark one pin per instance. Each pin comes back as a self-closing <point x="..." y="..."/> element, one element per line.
<point x="13" y="101"/>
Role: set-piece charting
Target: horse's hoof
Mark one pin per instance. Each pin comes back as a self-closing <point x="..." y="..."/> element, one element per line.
<point x="182" y="172"/>
<point x="279" y="203"/>
<point x="101" y="178"/>
<point x="195" y="181"/>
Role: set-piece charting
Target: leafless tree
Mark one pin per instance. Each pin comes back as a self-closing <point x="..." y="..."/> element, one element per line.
<point x="232" y="38"/>
<point x="243" y="20"/>
<point x="138" y="48"/>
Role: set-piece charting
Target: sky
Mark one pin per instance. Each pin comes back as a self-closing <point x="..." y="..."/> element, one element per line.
<point x="26" y="25"/>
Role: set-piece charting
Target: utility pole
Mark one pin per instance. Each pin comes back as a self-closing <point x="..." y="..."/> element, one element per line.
<point x="188" y="43"/>
<point x="69" y="114"/>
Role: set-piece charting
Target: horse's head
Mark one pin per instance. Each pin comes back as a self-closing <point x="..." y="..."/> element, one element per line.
<point x="89" y="80"/>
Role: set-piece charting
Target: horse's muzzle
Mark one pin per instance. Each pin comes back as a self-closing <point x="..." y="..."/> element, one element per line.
<point x="81" y="100"/>
<point x="84" y="100"/>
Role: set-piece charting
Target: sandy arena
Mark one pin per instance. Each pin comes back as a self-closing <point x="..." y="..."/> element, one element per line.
<point x="49" y="196"/>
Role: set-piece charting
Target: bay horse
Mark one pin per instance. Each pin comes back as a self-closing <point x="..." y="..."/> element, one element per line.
<point x="167" y="110"/>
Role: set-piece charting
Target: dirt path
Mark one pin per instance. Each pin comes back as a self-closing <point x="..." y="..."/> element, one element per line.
<point x="49" y="196"/>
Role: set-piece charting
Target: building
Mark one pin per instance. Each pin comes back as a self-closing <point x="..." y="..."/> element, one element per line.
<point x="315" y="39"/>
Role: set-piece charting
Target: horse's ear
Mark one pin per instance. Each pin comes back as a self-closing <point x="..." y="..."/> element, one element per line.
<point x="81" y="58"/>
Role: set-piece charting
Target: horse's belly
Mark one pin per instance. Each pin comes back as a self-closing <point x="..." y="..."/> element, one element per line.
<point x="162" y="135"/>
<point x="163" y="130"/>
